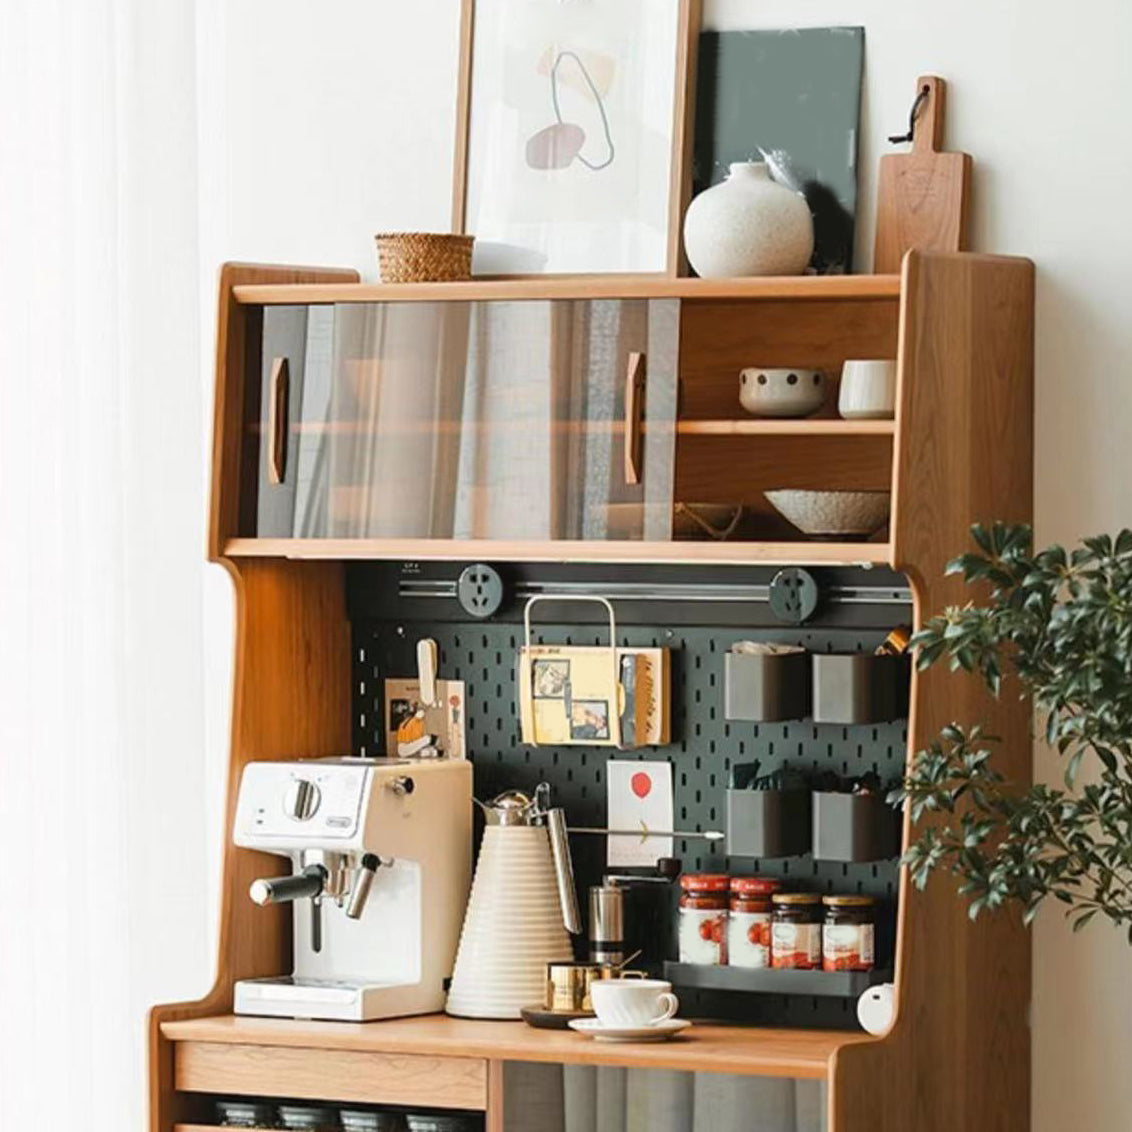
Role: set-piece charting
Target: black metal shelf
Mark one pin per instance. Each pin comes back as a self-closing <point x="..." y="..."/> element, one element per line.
<point x="768" y="980"/>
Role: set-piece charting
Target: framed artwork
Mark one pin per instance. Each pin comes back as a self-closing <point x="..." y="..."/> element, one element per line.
<point x="791" y="98"/>
<point x="572" y="132"/>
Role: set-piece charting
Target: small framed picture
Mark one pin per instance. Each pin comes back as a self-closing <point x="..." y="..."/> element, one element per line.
<point x="551" y="679"/>
<point x="589" y="720"/>
<point x="571" y="134"/>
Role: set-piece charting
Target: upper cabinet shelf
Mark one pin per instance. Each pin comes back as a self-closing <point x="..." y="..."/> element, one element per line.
<point x="583" y="418"/>
<point x="807" y="426"/>
<point x="574" y="287"/>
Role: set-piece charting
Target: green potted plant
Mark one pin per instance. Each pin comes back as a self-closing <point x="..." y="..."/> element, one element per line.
<point x="1058" y="627"/>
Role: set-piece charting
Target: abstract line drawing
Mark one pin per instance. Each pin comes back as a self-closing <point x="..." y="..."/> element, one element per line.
<point x="558" y="145"/>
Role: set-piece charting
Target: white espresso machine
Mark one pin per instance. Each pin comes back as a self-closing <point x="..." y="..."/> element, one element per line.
<point x="380" y="853"/>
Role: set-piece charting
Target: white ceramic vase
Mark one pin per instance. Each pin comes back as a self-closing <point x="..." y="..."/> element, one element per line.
<point x="748" y="225"/>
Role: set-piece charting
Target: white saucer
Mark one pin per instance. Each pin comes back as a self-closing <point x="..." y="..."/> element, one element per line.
<point x="660" y="1032"/>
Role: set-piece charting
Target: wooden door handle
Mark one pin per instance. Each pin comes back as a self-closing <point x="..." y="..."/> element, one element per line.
<point x="277" y="422"/>
<point x="634" y="414"/>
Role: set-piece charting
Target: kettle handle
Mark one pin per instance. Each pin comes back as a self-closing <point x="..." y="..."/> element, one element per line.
<point x="564" y="870"/>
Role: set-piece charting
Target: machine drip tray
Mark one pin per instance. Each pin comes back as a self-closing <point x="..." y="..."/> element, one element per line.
<point x="285" y="996"/>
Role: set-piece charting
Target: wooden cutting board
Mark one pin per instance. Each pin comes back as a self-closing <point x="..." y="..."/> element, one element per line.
<point x="923" y="195"/>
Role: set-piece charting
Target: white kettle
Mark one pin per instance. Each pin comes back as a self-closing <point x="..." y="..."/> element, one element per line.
<point x="522" y="907"/>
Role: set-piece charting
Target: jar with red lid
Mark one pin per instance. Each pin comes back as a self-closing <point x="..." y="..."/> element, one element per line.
<point x="748" y="921"/>
<point x="703" y="918"/>
<point x="795" y="930"/>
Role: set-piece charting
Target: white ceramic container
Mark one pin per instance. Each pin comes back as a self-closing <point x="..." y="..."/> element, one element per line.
<point x="748" y="225"/>
<point x="781" y="392"/>
<point x="868" y="389"/>
<point x="512" y="927"/>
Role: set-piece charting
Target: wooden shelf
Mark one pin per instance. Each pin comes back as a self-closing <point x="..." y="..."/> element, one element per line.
<point x="491" y="550"/>
<point x="744" y="427"/>
<point x="805" y="427"/>
<point x="579" y="287"/>
<point x="708" y="1048"/>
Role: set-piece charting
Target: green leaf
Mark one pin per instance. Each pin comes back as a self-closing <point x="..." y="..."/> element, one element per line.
<point x="1083" y="919"/>
<point x="1074" y="766"/>
<point x="982" y="538"/>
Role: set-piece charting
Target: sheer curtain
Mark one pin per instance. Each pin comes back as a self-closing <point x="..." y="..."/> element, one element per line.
<point x="581" y="1098"/>
<point x="106" y="873"/>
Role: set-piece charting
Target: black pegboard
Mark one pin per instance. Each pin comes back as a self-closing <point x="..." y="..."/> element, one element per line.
<point x="482" y="654"/>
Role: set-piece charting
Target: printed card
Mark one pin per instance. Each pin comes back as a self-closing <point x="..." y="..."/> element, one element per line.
<point x="639" y="798"/>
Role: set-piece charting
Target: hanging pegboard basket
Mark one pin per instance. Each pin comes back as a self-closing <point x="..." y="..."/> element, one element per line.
<point x="424" y="257"/>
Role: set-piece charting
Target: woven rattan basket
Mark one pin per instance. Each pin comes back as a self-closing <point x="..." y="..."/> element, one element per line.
<point x="423" y="257"/>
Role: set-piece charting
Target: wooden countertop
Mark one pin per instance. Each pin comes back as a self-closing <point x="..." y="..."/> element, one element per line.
<point x="708" y="1047"/>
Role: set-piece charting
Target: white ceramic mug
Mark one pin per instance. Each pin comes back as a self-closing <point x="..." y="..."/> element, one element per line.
<point x="868" y="390"/>
<point x="633" y="1002"/>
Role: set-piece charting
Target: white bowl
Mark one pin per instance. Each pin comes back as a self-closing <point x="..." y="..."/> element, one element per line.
<point x="833" y="513"/>
<point x="783" y="392"/>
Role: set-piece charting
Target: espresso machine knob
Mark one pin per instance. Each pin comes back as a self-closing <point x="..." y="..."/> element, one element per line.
<point x="301" y="800"/>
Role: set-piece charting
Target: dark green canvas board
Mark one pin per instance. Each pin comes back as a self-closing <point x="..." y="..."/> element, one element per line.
<point x="794" y="95"/>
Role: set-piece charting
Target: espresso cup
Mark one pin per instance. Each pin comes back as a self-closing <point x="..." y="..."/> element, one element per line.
<point x="868" y="390"/>
<point x="633" y="1002"/>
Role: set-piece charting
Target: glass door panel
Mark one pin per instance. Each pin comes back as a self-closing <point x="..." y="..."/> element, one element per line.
<point x="491" y="420"/>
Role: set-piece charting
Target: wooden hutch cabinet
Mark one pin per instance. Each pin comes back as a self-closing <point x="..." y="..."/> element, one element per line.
<point x="576" y="421"/>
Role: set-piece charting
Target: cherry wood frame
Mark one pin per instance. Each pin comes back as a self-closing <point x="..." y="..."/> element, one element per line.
<point x="957" y="1056"/>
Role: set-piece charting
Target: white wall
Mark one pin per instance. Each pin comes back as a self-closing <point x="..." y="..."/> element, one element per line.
<point x="325" y="123"/>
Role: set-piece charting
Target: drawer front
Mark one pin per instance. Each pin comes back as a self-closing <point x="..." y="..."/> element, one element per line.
<point x="334" y="1075"/>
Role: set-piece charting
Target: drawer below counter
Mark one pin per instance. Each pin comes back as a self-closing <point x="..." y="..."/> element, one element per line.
<point x="411" y="1080"/>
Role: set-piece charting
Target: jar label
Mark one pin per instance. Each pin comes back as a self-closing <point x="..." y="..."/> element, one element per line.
<point x="848" y="947"/>
<point x="703" y="936"/>
<point x="796" y="945"/>
<point x="748" y="939"/>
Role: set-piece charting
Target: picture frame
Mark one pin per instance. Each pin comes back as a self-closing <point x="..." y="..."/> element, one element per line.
<point x="560" y="169"/>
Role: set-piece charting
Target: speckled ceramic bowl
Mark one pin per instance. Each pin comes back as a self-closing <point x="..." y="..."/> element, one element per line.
<point x="833" y="514"/>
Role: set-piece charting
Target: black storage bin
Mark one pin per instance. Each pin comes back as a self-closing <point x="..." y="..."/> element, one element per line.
<point x="768" y="823"/>
<point x="859" y="687"/>
<point x="854" y="827"/>
<point x="766" y="688"/>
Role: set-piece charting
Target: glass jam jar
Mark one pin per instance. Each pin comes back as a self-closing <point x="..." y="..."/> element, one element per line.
<point x="848" y="934"/>
<point x="748" y="921"/>
<point x="795" y="930"/>
<point x="703" y="918"/>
